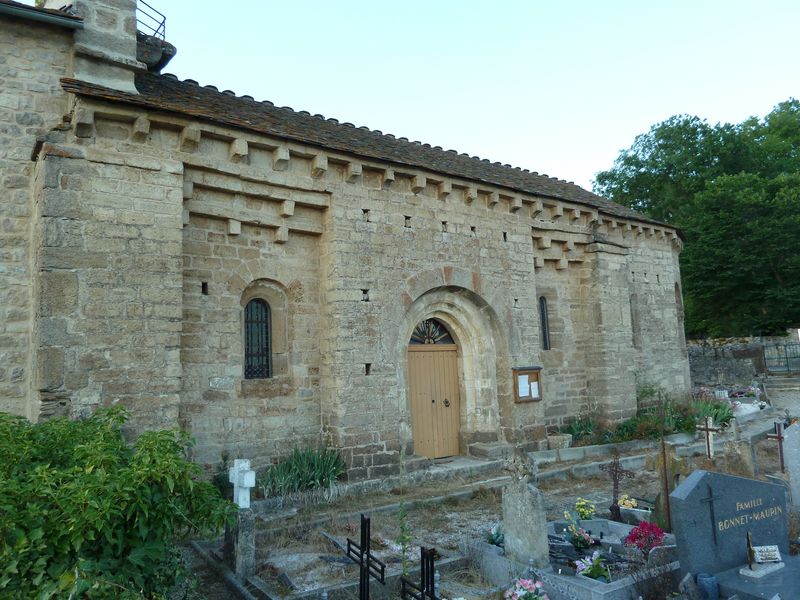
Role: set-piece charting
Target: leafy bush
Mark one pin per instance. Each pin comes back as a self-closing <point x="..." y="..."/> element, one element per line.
<point x="82" y="514"/>
<point x="304" y="470"/>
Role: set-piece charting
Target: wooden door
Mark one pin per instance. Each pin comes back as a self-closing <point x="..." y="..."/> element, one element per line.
<point x="435" y="406"/>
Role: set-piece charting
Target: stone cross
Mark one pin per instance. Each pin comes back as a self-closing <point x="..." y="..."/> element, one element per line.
<point x="617" y="472"/>
<point x="243" y="479"/>
<point x="778" y="435"/>
<point x="709" y="430"/>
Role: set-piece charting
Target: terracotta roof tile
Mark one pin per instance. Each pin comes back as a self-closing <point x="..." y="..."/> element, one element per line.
<point x="167" y="93"/>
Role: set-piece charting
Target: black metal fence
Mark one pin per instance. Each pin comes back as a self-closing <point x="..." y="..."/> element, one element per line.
<point x="782" y="358"/>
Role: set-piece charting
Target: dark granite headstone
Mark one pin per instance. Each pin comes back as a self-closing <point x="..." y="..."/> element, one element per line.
<point x="712" y="513"/>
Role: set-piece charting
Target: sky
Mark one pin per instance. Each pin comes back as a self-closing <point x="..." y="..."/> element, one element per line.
<point x="559" y="86"/>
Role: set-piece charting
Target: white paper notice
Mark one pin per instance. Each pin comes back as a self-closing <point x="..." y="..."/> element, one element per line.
<point x="524" y="388"/>
<point x="534" y="389"/>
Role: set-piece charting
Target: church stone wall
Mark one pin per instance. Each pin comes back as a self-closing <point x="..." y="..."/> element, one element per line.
<point x="109" y="275"/>
<point x="132" y="242"/>
<point x="31" y="103"/>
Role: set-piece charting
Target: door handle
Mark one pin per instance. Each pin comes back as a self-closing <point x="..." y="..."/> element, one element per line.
<point x="446" y="402"/>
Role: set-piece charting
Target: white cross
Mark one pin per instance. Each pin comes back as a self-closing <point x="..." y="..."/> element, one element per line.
<point x="243" y="479"/>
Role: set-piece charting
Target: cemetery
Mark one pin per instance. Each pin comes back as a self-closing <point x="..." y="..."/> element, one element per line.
<point x="705" y="516"/>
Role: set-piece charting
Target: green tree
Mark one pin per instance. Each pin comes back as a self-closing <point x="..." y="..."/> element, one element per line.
<point x="740" y="260"/>
<point x="85" y="515"/>
<point x="732" y="190"/>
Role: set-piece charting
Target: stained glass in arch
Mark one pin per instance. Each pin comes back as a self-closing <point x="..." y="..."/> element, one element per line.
<point x="431" y="331"/>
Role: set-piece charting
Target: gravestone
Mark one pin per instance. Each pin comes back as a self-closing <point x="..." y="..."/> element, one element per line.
<point x="712" y="514"/>
<point x="239" y="551"/>
<point x="524" y="517"/>
<point x="243" y="479"/>
<point x="791" y="448"/>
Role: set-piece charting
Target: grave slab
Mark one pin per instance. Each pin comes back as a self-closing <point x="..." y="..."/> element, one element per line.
<point x="785" y="583"/>
<point x="712" y="514"/>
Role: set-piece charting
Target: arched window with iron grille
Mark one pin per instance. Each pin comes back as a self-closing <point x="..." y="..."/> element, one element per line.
<point x="544" y="323"/>
<point x="257" y="340"/>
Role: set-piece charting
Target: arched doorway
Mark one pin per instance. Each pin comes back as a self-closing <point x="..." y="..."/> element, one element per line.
<point x="434" y="390"/>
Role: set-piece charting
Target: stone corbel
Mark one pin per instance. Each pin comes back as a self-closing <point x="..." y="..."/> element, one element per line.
<point x="543" y="242"/>
<point x="536" y="208"/>
<point x="190" y="138"/>
<point x="287" y="208"/>
<point x="418" y="183"/>
<point x="238" y="149"/>
<point x="494" y="199"/>
<point x="575" y="214"/>
<point x="319" y="165"/>
<point x="353" y="172"/>
<point x="516" y="203"/>
<point x="188" y="190"/>
<point x="282" y="234"/>
<point x="444" y="189"/>
<point x="84" y="123"/>
<point x="538" y="261"/>
<point x="280" y="158"/>
<point x="470" y="194"/>
<point x="562" y="264"/>
<point x="141" y="129"/>
<point x="234" y="227"/>
<point x="388" y="179"/>
<point x="556" y="212"/>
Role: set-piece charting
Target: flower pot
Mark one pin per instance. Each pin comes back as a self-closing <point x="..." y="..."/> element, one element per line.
<point x="558" y="441"/>
<point x="707" y="584"/>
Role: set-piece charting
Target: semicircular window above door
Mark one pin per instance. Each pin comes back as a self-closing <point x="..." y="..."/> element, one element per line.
<point x="431" y="331"/>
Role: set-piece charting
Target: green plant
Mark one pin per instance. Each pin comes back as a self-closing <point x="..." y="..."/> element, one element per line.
<point x="220" y="479"/>
<point x="82" y="514"/>
<point x="581" y="427"/>
<point x="303" y="470"/>
<point x="585" y="509"/>
<point x="593" y="566"/>
<point x="403" y="538"/>
<point x="719" y="410"/>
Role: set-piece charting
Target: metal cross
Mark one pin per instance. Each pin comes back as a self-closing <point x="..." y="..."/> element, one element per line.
<point x="709" y="430"/>
<point x="710" y="502"/>
<point x="368" y="564"/>
<point x="617" y="472"/>
<point x="427" y="585"/>
<point x="778" y="435"/>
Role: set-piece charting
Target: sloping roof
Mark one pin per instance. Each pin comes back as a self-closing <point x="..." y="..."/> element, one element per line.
<point x="167" y="93"/>
<point x="57" y="17"/>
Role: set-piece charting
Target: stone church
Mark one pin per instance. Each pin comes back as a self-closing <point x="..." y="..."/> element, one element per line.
<point x="269" y="278"/>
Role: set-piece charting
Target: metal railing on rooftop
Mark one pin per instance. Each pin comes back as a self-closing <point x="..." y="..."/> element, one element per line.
<point x="150" y="20"/>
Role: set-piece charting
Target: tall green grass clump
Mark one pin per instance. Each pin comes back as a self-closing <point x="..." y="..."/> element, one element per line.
<point x="304" y="470"/>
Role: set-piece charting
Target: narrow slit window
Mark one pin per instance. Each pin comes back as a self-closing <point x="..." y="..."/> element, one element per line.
<point x="257" y="340"/>
<point x="544" y="323"/>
